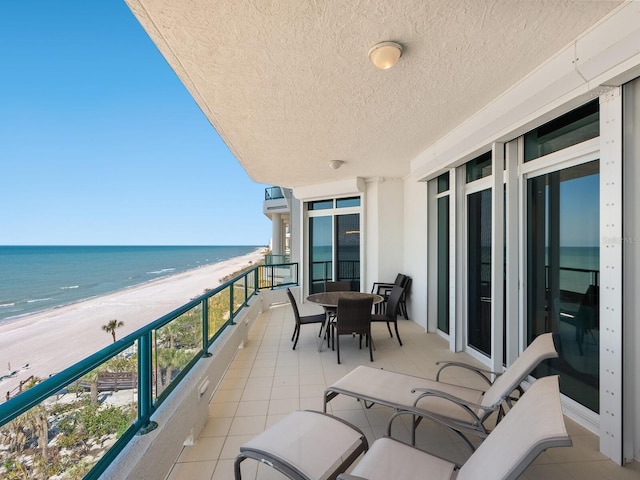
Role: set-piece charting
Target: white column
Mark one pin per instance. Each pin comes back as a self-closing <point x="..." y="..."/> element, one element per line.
<point x="611" y="276"/>
<point x="276" y="234"/>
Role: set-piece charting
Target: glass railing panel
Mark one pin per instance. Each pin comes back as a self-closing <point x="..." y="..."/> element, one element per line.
<point x="176" y="345"/>
<point x="252" y="286"/>
<point x="239" y="294"/>
<point x="219" y="312"/>
<point x="273" y="193"/>
<point x="68" y="432"/>
<point x="272" y="276"/>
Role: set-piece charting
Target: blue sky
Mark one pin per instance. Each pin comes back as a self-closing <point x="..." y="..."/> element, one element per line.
<point x="101" y="144"/>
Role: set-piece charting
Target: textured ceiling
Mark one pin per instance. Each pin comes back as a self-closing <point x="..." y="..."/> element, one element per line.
<point x="288" y="85"/>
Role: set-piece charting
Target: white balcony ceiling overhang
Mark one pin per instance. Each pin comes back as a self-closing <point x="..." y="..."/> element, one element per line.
<point x="289" y="87"/>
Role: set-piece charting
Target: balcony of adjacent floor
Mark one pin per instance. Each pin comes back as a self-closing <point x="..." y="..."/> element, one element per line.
<point x="267" y="380"/>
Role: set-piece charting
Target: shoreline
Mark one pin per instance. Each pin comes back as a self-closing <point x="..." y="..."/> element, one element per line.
<point x="51" y="340"/>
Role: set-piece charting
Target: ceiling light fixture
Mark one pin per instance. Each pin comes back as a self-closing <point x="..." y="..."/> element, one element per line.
<point x="385" y="55"/>
<point x="335" y="164"/>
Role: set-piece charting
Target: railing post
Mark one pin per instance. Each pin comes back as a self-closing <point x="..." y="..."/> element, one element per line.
<point x="205" y="328"/>
<point x="272" y="281"/>
<point x="145" y="381"/>
<point x="246" y="288"/>
<point x="231" y="304"/>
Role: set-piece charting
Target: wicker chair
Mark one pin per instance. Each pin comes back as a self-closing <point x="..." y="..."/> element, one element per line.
<point x="319" y="318"/>
<point x="354" y="316"/>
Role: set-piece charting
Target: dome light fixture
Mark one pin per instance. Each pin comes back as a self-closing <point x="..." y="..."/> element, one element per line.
<point x="335" y="164"/>
<point x="384" y="55"/>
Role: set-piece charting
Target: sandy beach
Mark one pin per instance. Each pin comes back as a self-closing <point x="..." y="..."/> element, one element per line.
<point x="47" y="342"/>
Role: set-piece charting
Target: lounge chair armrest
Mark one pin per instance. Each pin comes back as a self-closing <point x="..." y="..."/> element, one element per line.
<point x="346" y="476"/>
<point x="481" y="372"/>
<point x="468" y="406"/>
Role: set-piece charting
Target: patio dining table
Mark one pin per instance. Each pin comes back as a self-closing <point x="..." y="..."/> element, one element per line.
<point x="329" y="300"/>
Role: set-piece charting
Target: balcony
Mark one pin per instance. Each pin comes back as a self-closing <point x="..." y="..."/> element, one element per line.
<point x="266" y="380"/>
<point x="277" y="200"/>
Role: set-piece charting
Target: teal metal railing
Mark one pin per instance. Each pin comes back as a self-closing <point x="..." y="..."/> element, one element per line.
<point x="95" y="407"/>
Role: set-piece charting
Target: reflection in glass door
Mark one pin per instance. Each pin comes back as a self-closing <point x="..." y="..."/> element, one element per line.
<point x="348" y="249"/>
<point x="563" y="258"/>
<point x="479" y="271"/>
<point x="320" y="252"/>
<point x="443" y="264"/>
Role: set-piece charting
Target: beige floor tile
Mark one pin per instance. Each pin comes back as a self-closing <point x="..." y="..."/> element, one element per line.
<point x="248" y="425"/>
<point x="205" y="449"/>
<point x="257" y="393"/>
<point x="237" y="372"/>
<point x="222" y="409"/>
<point x="315" y="391"/>
<point x="224" y="470"/>
<point x="224" y="396"/>
<point x="284" y="405"/>
<point x="232" y="446"/>
<point x="192" y="471"/>
<point x="262" y="371"/>
<point x="217" y="427"/>
<point x="253" y="382"/>
<point x="289" y="391"/>
<point x="286" y="380"/>
<point x="253" y="408"/>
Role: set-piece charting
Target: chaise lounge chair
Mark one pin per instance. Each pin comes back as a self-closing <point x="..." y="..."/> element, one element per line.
<point x="461" y="409"/>
<point x="534" y="424"/>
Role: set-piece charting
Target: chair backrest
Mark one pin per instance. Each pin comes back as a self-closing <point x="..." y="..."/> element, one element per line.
<point x="393" y="303"/>
<point x="534" y="424"/>
<point x="354" y="315"/>
<point x="292" y="299"/>
<point x="400" y="280"/>
<point x="337" y="286"/>
<point x="542" y="348"/>
<point x="407" y="284"/>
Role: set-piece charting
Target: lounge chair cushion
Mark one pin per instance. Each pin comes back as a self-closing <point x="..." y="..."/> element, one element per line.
<point x="391" y="459"/>
<point x="312" y="442"/>
<point x="542" y="348"/>
<point x="538" y="424"/>
<point x="394" y="389"/>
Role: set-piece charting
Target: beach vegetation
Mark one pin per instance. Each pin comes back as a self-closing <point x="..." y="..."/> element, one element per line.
<point x="111" y="326"/>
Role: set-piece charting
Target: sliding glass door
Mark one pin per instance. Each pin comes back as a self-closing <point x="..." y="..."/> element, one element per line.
<point x="479" y="271"/>
<point x="334" y="242"/>
<point x="563" y="258"/>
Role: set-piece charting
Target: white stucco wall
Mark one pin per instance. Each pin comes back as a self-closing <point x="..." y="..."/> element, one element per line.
<point x="384" y="215"/>
<point x="415" y="248"/>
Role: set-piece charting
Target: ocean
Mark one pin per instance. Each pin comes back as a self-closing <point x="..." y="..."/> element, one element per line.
<point x="36" y="278"/>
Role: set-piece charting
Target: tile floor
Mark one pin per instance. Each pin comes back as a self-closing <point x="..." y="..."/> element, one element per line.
<point x="267" y="380"/>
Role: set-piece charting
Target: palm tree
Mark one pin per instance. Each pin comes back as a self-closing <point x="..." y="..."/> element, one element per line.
<point x="111" y="327"/>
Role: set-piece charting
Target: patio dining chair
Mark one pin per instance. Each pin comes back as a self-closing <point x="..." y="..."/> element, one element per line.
<point x="535" y="424"/>
<point x="353" y="316"/>
<point x="460" y="409"/>
<point x="384" y="289"/>
<point x="337" y="286"/>
<point x="318" y="318"/>
<point x="390" y="314"/>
